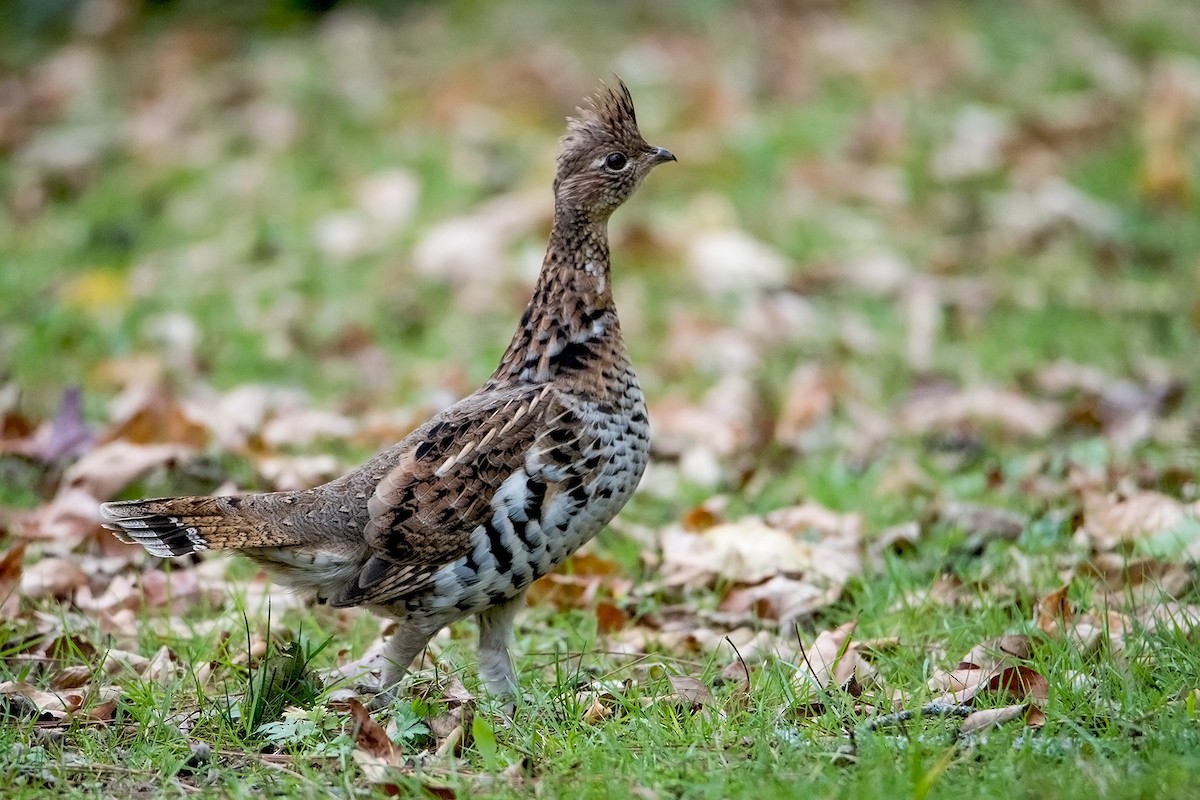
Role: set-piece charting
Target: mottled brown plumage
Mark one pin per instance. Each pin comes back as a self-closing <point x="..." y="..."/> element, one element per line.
<point x="492" y="493"/>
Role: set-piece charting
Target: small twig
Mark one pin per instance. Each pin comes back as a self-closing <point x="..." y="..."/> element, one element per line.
<point x="927" y="710"/>
<point x="741" y="660"/>
<point x="450" y="743"/>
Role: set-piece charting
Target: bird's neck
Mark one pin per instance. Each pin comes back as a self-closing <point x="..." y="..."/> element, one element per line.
<point x="571" y="321"/>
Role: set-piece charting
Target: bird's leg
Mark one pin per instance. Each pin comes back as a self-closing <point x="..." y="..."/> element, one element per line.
<point x="406" y="643"/>
<point x="495" y="636"/>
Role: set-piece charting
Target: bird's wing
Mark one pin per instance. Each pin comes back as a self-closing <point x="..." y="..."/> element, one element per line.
<point x="447" y="484"/>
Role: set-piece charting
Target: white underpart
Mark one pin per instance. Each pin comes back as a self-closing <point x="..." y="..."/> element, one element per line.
<point x="591" y="268"/>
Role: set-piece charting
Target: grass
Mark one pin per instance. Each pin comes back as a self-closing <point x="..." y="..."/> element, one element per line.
<point x="195" y="262"/>
<point x="1119" y="731"/>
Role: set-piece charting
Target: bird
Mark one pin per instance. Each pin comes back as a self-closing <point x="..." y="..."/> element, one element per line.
<point x="462" y="515"/>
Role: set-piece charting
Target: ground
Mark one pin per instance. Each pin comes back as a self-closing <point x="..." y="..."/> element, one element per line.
<point x="916" y="313"/>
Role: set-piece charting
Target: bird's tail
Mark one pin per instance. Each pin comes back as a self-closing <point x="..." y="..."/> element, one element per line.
<point x="177" y="526"/>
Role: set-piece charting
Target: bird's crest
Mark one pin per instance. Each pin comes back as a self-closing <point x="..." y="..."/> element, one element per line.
<point x="609" y="117"/>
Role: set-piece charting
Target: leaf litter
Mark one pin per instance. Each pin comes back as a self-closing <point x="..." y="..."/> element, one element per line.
<point x="766" y="583"/>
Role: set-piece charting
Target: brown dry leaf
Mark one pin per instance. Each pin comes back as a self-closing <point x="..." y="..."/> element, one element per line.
<point x="705" y="436"/>
<point x="64" y="437"/>
<point x="747" y="551"/>
<point x="451" y="729"/>
<point x="810" y="397"/>
<point x="368" y="735"/>
<point x="1020" y="682"/>
<point x="704" y="516"/>
<point x="897" y="539"/>
<point x="67" y="521"/>
<point x="779" y="598"/>
<point x="53" y="577"/>
<point x="753" y="549"/>
<point x="151" y="415"/>
<point x="987" y="718"/>
<point x="731" y="261"/>
<point x="121" y="593"/>
<point x="389" y="197"/>
<point x="295" y="426"/>
<point x="23" y="700"/>
<point x="991" y="666"/>
<point x="294" y="473"/>
<point x="982" y="523"/>
<point x="1119" y="575"/>
<point x="737" y="674"/>
<point x="580" y="582"/>
<point x="164" y="668"/>
<point x="1111" y="522"/>
<point x="105" y="710"/>
<point x="110" y="467"/>
<point x="1171" y="106"/>
<point x="1046" y="206"/>
<point x="994" y="652"/>
<point x="688" y="693"/>
<point x="960" y="686"/>
<point x="983" y="406"/>
<point x="831" y="661"/>
<point x="11" y="566"/>
<point x="121" y="662"/>
<point x="1053" y="611"/>
<point x="180" y="589"/>
<point x="599" y="709"/>
<point x="976" y="145"/>
<point x="72" y="677"/>
<point x="610" y="617"/>
<point x="471" y="251"/>
<point x="1171" y="616"/>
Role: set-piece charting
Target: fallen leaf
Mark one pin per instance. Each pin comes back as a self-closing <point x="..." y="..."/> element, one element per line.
<point x="983" y="406"/>
<point x="598" y="710"/>
<point x="991" y="666"/>
<point x="610" y="617"/>
<point x="753" y="549"/>
<point x="369" y="737"/>
<point x="988" y="718"/>
<point x="58" y="578"/>
<point x="1020" y="682"/>
<point x="11" y="568"/>
<point x="981" y="523"/>
<point x="110" y="467"/>
<point x="1053" y="611"/>
<point x="1111" y="522"/>
<point x="23" y="700"/>
<point x="975" y="146"/>
<point x="995" y="652"/>
<point x="64" y="437"/>
<point x="830" y="662"/>
<point x="389" y="197"/>
<point x="71" y="677"/>
<point x="688" y="693"/>
<point x="152" y="416"/>
<point x="452" y="728"/>
<point x="960" y="686"/>
<point x="731" y="261"/>
<point x="164" y="668"/>
<point x="779" y="598"/>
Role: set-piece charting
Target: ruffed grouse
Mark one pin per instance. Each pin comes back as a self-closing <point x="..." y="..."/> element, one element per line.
<point x="495" y="491"/>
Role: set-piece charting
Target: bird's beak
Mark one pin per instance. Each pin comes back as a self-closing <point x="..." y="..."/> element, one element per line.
<point x="662" y="155"/>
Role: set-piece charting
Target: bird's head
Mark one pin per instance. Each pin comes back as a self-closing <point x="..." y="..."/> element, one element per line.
<point x="603" y="157"/>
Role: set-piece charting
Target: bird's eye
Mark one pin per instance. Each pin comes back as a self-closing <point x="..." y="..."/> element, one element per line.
<point x="616" y="161"/>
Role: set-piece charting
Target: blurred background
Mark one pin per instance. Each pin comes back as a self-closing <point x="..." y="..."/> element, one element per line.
<point x="916" y="313"/>
<point x="941" y="216"/>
